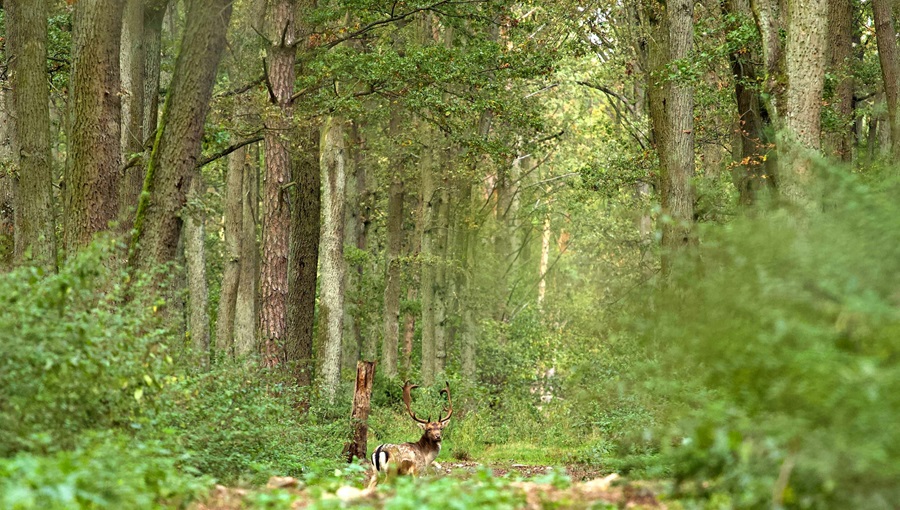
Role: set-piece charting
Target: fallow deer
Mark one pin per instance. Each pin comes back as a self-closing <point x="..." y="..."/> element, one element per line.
<point x="412" y="458"/>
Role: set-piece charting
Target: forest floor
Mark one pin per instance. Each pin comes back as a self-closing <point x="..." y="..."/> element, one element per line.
<point x="530" y="487"/>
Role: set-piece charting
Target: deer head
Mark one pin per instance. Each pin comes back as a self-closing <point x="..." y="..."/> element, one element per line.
<point x="433" y="429"/>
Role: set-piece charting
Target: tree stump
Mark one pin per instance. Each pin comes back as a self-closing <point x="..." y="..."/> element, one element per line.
<point x="362" y="398"/>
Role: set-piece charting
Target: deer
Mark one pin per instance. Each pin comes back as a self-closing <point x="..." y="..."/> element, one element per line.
<point x="412" y="458"/>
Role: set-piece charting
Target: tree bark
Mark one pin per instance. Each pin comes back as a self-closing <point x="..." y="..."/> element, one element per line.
<point x="231" y="272"/>
<point x="805" y="71"/>
<point x="131" y="61"/>
<point x="430" y="203"/>
<point x="7" y="206"/>
<point x="92" y="184"/>
<point x="769" y="17"/>
<point x="671" y="113"/>
<point x="34" y="232"/>
<point x="304" y="258"/>
<point x="195" y="262"/>
<point x="390" y="344"/>
<point x="890" y="68"/>
<point x="331" y="302"/>
<point x="173" y="162"/>
<point x="362" y="398"/>
<point x="247" y="302"/>
<point x="281" y="53"/>
<point x="154" y="14"/>
<point x="840" y="61"/>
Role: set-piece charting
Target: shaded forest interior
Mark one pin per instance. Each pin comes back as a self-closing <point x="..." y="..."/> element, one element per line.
<point x="655" y="238"/>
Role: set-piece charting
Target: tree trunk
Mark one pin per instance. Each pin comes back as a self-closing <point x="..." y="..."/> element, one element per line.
<point x="441" y="274"/>
<point x="331" y="302"/>
<point x="390" y="344"/>
<point x="35" y="237"/>
<point x="546" y="236"/>
<point x="304" y="258"/>
<point x="430" y="203"/>
<point x="805" y="72"/>
<point x="195" y="262"/>
<point x="231" y="272"/>
<point x="173" y="162"/>
<point x="246" y="303"/>
<point x="131" y="61"/>
<point x="7" y="206"/>
<point x="362" y="398"/>
<point x="890" y="68"/>
<point x="769" y="17"/>
<point x="154" y="13"/>
<point x="840" y="62"/>
<point x="756" y="170"/>
<point x="281" y="54"/>
<point x="671" y="112"/>
<point x="92" y="185"/>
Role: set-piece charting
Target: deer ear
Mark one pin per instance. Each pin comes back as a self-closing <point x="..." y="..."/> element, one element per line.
<point x="421" y="425"/>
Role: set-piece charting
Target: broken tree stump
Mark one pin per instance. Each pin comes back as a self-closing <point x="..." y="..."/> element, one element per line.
<point x="362" y="399"/>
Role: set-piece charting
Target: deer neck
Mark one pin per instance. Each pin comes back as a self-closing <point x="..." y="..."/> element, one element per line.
<point x="430" y="448"/>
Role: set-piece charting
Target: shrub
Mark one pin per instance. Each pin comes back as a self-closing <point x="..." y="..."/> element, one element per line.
<point x="76" y="352"/>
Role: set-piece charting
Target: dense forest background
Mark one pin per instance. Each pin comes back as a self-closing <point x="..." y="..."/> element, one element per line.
<point x="657" y="238"/>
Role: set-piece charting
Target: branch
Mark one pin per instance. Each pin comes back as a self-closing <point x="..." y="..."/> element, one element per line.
<point x="228" y="150"/>
<point x="386" y="21"/>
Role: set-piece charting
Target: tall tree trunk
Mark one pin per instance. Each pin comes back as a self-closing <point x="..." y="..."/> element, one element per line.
<point x="331" y="315"/>
<point x="281" y="53"/>
<point x="247" y="302"/>
<point x="195" y="262"/>
<point x="352" y="344"/>
<point x="92" y="185"/>
<point x="131" y="60"/>
<point x="173" y="162"/>
<point x="304" y="257"/>
<point x="430" y="203"/>
<point x="890" y="67"/>
<point x="441" y="274"/>
<point x="671" y="112"/>
<point x="805" y="72"/>
<point x="7" y="206"/>
<point x="840" y="61"/>
<point x="390" y="344"/>
<point x="546" y="236"/>
<point x="154" y="14"/>
<point x="769" y="16"/>
<point x="231" y="273"/>
<point x="35" y="237"/>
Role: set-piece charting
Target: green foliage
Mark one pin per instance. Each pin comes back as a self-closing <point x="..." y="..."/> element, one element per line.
<point x="240" y="423"/>
<point x="76" y="351"/>
<point x="775" y="350"/>
<point x="105" y="472"/>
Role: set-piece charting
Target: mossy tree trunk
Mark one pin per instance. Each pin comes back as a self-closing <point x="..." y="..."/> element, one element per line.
<point x="92" y="183"/>
<point x="34" y="232"/>
<point x="392" y="287"/>
<point x="131" y="61"/>
<point x="247" y="300"/>
<point x="173" y="161"/>
<point x="839" y="143"/>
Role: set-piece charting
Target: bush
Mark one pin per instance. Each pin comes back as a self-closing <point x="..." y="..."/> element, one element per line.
<point x="241" y="423"/>
<point x="76" y="352"/>
<point x="108" y="472"/>
<point x="776" y="349"/>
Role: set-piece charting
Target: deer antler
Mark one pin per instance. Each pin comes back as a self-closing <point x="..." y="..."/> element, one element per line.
<point x="446" y="391"/>
<point x="407" y="399"/>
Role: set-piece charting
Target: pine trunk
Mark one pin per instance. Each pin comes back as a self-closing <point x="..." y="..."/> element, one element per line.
<point x="34" y="232"/>
<point x="276" y="202"/>
<point x="173" y="161"/>
<point x="331" y="315"/>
